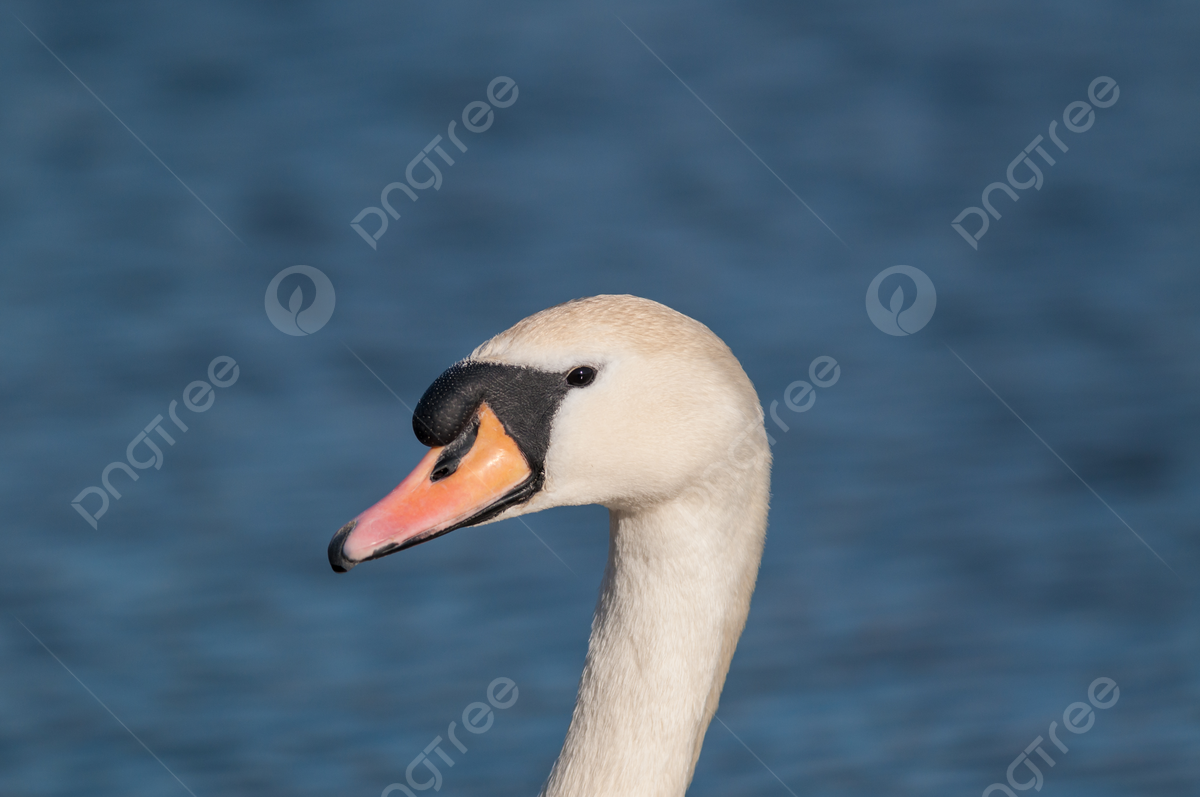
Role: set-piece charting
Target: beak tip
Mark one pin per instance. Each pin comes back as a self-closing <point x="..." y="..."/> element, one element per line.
<point x="337" y="556"/>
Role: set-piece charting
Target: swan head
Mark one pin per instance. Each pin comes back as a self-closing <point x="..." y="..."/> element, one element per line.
<point x="610" y="400"/>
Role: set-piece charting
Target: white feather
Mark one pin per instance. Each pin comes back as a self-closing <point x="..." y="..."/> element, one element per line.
<point x="670" y="438"/>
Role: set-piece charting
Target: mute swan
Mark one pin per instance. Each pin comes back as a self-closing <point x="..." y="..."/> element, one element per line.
<point x="623" y="402"/>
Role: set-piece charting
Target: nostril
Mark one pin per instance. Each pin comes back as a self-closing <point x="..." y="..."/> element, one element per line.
<point x="453" y="454"/>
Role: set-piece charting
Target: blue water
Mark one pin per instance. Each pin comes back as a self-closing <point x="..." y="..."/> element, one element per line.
<point x="938" y="586"/>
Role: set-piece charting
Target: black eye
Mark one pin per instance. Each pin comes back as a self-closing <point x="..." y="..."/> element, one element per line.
<point x="581" y="376"/>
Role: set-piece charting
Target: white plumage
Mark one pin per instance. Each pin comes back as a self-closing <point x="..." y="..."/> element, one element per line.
<point x="669" y="438"/>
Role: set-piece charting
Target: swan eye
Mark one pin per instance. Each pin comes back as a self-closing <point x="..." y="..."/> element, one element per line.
<point x="581" y="376"/>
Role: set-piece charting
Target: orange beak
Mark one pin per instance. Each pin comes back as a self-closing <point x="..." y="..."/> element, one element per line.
<point x="446" y="491"/>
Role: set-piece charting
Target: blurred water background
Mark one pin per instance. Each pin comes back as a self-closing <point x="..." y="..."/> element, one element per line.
<point x="937" y="586"/>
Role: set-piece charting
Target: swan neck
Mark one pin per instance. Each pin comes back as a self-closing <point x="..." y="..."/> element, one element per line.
<point x="672" y="605"/>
